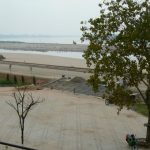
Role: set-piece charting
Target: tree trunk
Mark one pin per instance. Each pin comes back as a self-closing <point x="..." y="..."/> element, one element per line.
<point x="22" y="136"/>
<point x="148" y="130"/>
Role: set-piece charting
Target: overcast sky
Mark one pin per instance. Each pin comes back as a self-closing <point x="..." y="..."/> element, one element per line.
<point x="46" y="17"/>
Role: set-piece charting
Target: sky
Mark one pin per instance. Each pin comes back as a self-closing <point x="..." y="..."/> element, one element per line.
<point x="45" y="17"/>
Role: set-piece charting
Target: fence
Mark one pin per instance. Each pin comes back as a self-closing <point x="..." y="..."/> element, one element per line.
<point x="7" y="145"/>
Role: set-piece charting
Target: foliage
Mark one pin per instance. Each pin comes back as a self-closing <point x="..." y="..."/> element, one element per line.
<point x="119" y="50"/>
<point x="119" y="46"/>
<point x="5" y="82"/>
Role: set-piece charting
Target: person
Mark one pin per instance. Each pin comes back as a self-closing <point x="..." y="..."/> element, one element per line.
<point x="131" y="140"/>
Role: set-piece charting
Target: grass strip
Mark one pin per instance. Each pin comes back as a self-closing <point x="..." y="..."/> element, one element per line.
<point x="142" y="109"/>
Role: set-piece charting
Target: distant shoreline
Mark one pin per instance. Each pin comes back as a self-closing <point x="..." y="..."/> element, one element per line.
<point x="43" y="47"/>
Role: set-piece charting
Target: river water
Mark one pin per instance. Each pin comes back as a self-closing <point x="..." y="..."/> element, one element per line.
<point x="50" y="53"/>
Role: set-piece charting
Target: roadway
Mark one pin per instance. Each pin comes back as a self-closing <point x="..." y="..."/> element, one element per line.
<point x="42" y="70"/>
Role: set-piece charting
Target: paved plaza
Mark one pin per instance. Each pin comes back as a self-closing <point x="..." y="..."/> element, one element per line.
<point x="65" y="121"/>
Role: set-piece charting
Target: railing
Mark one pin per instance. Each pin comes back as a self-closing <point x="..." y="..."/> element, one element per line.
<point x="16" y="146"/>
<point x="68" y="68"/>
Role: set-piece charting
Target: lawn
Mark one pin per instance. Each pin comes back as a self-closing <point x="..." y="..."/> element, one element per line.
<point x="18" y="80"/>
<point x="4" y="82"/>
<point x="142" y="109"/>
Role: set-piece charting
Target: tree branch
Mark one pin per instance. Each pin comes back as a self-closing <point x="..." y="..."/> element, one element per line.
<point x="141" y="94"/>
<point x="145" y="83"/>
<point x="24" y="102"/>
<point x="16" y="109"/>
<point x="33" y="102"/>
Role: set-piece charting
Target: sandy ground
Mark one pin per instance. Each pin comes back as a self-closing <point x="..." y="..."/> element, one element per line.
<point x="43" y="59"/>
<point x="65" y="121"/>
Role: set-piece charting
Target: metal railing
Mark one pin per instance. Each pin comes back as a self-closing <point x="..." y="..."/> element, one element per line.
<point x="16" y="146"/>
<point x="68" y="68"/>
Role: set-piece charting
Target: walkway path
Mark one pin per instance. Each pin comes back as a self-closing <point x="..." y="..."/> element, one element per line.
<point x="70" y="122"/>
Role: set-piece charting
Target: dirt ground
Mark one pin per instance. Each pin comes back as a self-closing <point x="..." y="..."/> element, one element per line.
<point x="67" y="121"/>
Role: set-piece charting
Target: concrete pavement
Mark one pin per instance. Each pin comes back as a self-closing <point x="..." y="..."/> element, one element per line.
<point x="65" y="121"/>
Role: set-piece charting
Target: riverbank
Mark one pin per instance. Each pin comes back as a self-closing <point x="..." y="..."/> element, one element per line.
<point x="43" y="47"/>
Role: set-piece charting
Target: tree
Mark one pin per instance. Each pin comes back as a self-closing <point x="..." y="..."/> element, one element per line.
<point x="7" y="77"/>
<point x="24" y="103"/>
<point x="119" y="48"/>
<point x="22" y="79"/>
<point x="34" y="80"/>
<point x="15" y="79"/>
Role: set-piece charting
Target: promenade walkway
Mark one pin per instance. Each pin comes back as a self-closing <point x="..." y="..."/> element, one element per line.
<point x="65" y="121"/>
